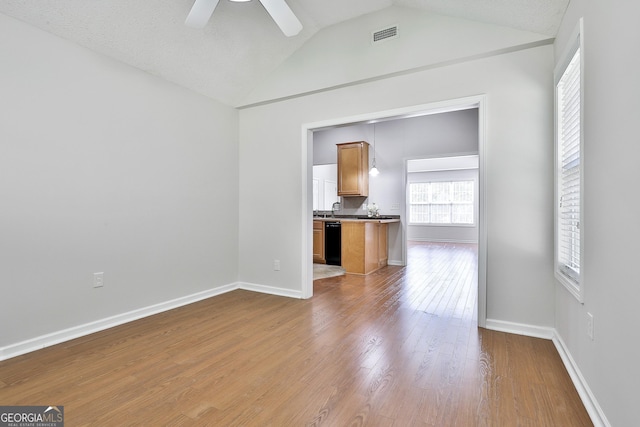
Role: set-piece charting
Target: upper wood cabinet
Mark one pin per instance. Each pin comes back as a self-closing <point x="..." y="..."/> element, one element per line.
<point x="353" y="169"/>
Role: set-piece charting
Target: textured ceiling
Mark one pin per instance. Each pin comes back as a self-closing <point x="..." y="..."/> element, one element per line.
<point x="241" y="43"/>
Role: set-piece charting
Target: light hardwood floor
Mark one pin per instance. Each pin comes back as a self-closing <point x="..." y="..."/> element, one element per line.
<point x="399" y="347"/>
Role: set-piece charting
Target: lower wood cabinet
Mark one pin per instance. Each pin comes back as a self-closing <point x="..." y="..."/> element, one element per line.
<point x="318" y="242"/>
<point x="364" y="246"/>
<point x="383" y="251"/>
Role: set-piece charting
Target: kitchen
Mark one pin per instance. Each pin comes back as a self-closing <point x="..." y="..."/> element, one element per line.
<point x="372" y="238"/>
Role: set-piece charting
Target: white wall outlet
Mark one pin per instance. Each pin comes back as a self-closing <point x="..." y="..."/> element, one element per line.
<point x="590" y="325"/>
<point x="395" y="206"/>
<point x="98" y="279"/>
<point x="276" y="265"/>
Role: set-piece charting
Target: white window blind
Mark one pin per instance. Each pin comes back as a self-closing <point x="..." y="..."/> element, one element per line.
<point x="568" y="110"/>
<point x="446" y="202"/>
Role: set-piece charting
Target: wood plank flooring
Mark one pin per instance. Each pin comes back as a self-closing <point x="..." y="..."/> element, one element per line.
<point x="399" y="347"/>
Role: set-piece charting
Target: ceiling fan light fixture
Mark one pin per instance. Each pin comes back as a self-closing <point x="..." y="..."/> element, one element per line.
<point x="279" y="10"/>
<point x="284" y="16"/>
<point x="200" y="13"/>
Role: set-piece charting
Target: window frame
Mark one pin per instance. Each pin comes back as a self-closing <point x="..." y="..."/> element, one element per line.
<point x="572" y="281"/>
<point x="472" y="203"/>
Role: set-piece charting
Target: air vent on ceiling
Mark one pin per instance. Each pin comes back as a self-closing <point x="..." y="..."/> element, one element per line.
<point x="385" y="34"/>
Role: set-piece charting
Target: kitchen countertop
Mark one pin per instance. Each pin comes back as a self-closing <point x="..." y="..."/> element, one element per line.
<point x="383" y="219"/>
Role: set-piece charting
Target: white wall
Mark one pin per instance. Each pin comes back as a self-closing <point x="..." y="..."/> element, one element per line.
<point x="104" y="168"/>
<point x="343" y="53"/>
<point x="611" y="230"/>
<point x="519" y="173"/>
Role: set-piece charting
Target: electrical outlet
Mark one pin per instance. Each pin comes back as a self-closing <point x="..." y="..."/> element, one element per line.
<point x="590" y="325"/>
<point x="276" y="265"/>
<point x="98" y="279"/>
<point x="395" y="206"/>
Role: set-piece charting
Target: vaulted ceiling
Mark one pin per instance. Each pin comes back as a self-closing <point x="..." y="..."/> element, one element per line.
<point x="241" y="43"/>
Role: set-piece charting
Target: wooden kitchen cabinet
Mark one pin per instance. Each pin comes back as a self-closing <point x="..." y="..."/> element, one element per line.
<point x="353" y="169"/>
<point x="383" y="251"/>
<point x="318" y="242"/>
<point x="364" y="246"/>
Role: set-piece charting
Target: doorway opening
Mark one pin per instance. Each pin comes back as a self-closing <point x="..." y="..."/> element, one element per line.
<point x="442" y="199"/>
<point x="399" y="249"/>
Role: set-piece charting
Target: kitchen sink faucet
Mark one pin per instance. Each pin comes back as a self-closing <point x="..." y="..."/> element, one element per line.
<point x="335" y="207"/>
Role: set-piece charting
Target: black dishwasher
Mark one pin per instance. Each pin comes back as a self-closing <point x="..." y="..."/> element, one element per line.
<point x="332" y="243"/>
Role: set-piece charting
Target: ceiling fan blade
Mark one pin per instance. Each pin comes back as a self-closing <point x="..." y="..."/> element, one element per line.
<point x="283" y="15"/>
<point x="200" y="13"/>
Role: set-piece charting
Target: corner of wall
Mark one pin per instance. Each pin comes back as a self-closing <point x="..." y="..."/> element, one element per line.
<point x="584" y="391"/>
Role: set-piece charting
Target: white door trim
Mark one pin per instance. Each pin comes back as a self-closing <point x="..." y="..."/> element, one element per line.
<point x="478" y="101"/>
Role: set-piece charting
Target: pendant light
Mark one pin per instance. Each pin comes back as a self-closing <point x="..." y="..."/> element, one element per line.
<point x="374" y="170"/>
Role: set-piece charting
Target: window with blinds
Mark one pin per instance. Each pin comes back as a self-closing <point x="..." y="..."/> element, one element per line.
<point x="569" y="173"/>
<point x="443" y="203"/>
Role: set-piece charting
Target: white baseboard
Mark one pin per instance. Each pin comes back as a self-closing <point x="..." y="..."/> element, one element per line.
<point x="399" y="263"/>
<point x="37" y="343"/>
<point x="520" y="329"/>
<point x="588" y="399"/>
<point x="271" y="290"/>
<point x="586" y="395"/>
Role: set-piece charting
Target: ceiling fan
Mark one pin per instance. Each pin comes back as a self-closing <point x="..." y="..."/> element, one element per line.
<point x="278" y="9"/>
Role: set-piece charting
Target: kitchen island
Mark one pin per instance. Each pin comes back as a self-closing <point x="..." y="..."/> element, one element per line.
<point x="364" y="246"/>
